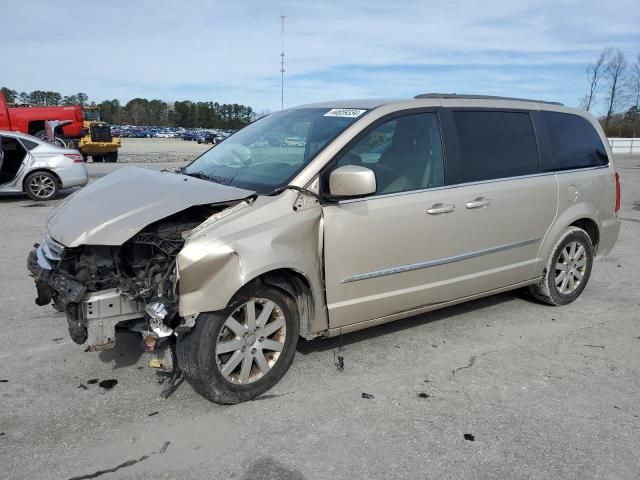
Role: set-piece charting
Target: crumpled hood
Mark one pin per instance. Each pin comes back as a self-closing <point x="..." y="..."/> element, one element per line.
<point x="113" y="209"/>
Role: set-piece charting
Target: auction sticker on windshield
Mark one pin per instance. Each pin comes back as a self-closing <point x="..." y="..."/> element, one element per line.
<point x="344" y="112"/>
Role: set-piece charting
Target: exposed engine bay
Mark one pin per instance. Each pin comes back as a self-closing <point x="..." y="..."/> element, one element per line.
<point x="133" y="285"/>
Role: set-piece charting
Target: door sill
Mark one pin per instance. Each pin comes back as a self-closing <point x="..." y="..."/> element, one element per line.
<point x="332" y="332"/>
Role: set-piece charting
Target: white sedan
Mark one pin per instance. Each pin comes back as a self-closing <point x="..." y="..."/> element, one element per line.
<point x="38" y="168"/>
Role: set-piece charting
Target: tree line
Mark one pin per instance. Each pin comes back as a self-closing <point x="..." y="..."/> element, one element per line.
<point x="141" y="111"/>
<point x="614" y="85"/>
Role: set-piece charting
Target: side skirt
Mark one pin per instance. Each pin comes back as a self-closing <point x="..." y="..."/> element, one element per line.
<point x="332" y="332"/>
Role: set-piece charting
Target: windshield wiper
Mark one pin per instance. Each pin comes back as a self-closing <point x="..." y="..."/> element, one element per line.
<point x="210" y="178"/>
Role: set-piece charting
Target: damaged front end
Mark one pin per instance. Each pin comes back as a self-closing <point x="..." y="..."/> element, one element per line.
<point x="133" y="285"/>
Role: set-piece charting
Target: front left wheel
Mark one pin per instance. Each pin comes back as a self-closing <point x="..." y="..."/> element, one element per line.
<point x="239" y="353"/>
<point x="41" y="186"/>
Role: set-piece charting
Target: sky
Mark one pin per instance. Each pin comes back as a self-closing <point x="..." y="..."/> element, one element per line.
<point x="229" y="51"/>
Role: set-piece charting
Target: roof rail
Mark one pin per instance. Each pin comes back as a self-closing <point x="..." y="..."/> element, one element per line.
<point x="481" y="97"/>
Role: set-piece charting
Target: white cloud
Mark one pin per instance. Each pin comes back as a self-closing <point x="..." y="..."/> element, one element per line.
<point x="229" y="51"/>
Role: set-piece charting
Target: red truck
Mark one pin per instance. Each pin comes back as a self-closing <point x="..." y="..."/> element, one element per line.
<point x="32" y="120"/>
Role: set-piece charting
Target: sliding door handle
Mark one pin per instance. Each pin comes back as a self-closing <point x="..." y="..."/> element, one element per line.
<point x="440" y="208"/>
<point x="478" y="203"/>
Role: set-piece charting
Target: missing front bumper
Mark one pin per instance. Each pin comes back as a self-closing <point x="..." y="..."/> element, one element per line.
<point x="102" y="311"/>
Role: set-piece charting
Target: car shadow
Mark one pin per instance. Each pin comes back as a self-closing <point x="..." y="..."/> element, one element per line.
<point x="127" y="351"/>
<point x="321" y="344"/>
<point x="17" y="197"/>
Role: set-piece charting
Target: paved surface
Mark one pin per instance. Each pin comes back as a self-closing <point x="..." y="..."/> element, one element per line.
<point x="540" y="392"/>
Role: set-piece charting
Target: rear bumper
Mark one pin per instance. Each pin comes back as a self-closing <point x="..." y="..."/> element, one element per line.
<point x="74" y="176"/>
<point x="609" y="232"/>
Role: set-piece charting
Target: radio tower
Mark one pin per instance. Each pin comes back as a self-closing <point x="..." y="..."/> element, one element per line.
<point x="282" y="17"/>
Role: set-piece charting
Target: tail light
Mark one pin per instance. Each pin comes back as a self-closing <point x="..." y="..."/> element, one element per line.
<point x="76" y="157"/>
<point x="617" y="192"/>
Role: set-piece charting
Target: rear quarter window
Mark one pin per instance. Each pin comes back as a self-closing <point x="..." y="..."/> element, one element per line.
<point x="495" y="144"/>
<point x="573" y="141"/>
<point x="28" y="144"/>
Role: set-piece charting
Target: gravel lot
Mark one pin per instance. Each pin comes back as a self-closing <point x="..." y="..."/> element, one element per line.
<point x="153" y="150"/>
<point x="538" y="392"/>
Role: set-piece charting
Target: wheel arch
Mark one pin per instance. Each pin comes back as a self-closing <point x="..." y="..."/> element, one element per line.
<point x="296" y="284"/>
<point x="591" y="227"/>
<point x="582" y="215"/>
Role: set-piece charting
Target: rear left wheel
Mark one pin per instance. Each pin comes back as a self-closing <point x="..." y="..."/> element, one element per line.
<point x="239" y="353"/>
<point x="41" y="186"/>
<point x="568" y="269"/>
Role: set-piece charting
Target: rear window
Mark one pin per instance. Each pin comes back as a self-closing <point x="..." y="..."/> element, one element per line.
<point x="574" y="143"/>
<point x="495" y="145"/>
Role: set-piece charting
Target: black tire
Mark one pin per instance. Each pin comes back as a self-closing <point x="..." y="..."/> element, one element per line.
<point x="97" y="158"/>
<point x="111" y="157"/>
<point x="85" y="157"/>
<point x="196" y="350"/>
<point x="547" y="290"/>
<point x="41" y="186"/>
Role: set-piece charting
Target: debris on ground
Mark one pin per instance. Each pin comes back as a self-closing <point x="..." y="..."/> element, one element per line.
<point x="338" y="362"/>
<point x="164" y="447"/>
<point x="468" y="436"/>
<point x="59" y="339"/>
<point x="595" y="346"/>
<point x="423" y="395"/>
<point x="82" y="386"/>
<point x="108" y="384"/>
<point x="4" y="381"/>
<point x="92" y="381"/>
<point x="367" y="396"/>
<point x="153" y="413"/>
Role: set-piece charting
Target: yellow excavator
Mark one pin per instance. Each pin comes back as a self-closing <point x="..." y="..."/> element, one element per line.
<point x="96" y="139"/>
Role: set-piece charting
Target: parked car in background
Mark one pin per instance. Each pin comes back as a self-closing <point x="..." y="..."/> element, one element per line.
<point x="393" y="209"/>
<point x="38" y="168"/>
<point x="208" y="137"/>
<point x="190" y="136"/>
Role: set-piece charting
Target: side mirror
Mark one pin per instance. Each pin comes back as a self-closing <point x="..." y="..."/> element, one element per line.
<point x="352" y="181"/>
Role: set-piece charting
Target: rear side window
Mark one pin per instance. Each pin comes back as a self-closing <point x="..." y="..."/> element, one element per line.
<point x="574" y="143"/>
<point x="495" y="145"/>
<point x="28" y="144"/>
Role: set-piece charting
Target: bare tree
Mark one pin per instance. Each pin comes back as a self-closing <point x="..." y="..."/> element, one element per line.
<point x="595" y="72"/>
<point x="614" y="73"/>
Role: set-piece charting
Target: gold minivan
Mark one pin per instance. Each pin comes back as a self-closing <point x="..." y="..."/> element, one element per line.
<point x="382" y="210"/>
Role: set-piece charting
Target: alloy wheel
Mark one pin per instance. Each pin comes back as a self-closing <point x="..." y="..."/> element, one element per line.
<point x="251" y="341"/>
<point x="42" y="186"/>
<point x="570" y="267"/>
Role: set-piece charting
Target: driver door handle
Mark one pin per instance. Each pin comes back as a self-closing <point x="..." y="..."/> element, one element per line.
<point x="478" y="203"/>
<point x="440" y="208"/>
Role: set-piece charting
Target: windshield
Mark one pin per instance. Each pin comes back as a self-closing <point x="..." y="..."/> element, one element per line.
<point x="92" y="115"/>
<point x="268" y="153"/>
